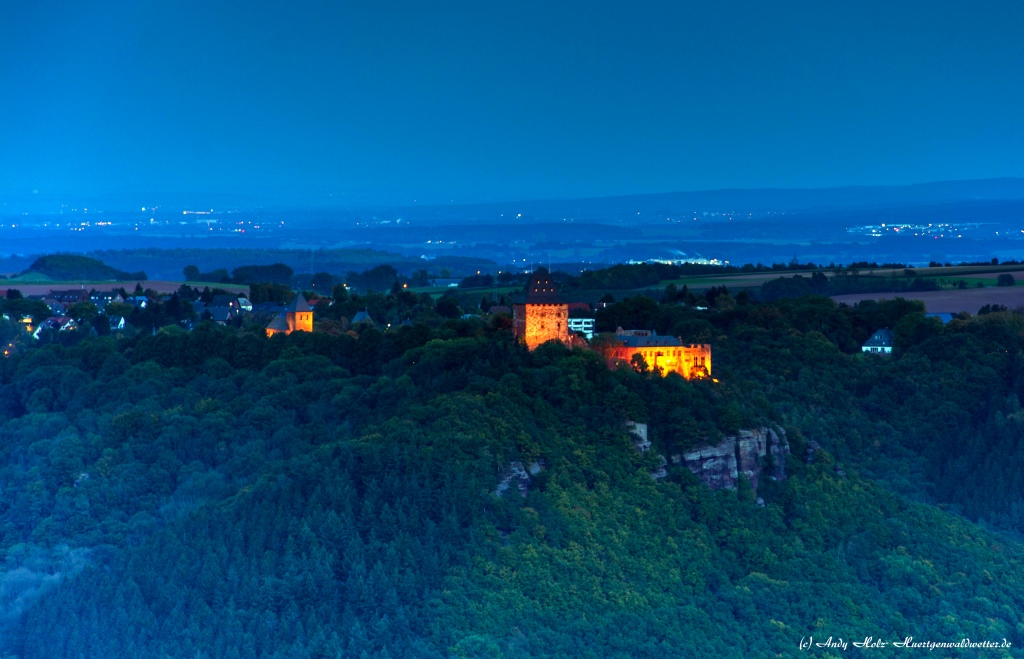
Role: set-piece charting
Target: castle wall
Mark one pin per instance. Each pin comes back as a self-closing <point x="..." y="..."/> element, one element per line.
<point x="519" y="320"/>
<point x="691" y="362"/>
<point x="535" y="324"/>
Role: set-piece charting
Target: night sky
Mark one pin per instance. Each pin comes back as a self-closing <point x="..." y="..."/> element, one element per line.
<point x="468" y="101"/>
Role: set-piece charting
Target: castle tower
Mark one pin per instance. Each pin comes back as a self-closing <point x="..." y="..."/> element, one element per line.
<point x="297" y="316"/>
<point x="544" y="316"/>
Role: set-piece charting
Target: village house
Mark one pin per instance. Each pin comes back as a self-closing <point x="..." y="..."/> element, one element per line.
<point x="54" y="305"/>
<point x="219" y="315"/>
<point x="57" y="324"/>
<point x="363" y="317"/>
<point x="102" y="298"/>
<point x="234" y="302"/>
<point x="879" y="343"/>
<point x="68" y="297"/>
<point x="267" y="308"/>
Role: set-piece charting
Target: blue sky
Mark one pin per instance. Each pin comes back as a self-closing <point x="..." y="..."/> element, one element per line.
<point x="395" y="101"/>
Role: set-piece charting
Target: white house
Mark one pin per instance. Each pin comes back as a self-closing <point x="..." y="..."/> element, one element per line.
<point x="879" y="343"/>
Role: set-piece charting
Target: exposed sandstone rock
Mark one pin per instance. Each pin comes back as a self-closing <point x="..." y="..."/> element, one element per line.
<point x="812" y="447"/>
<point x="661" y="471"/>
<point x="720" y="465"/>
<point x="514" y="474"/>
<point x="643" y="444"/>
<point x="639" y="431"/>
<point x="518" y="475"/>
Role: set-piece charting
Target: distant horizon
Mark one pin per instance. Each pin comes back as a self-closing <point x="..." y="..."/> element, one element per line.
<point x="322" y="200"/>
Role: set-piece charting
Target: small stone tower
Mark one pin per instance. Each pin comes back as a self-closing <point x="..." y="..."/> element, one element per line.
<point x="544" y="316"/>
<point x="297" y="316"/>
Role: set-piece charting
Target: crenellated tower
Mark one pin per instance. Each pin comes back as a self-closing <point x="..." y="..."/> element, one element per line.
<point x="544" y="316"/>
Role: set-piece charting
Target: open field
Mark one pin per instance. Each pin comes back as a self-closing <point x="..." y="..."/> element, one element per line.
<point x="1017" y="274"/>
<point x="951" y="300"/>
<point x="947" y="276"/>
<point x="439" y="291"/>
<point x="738" y="280"/>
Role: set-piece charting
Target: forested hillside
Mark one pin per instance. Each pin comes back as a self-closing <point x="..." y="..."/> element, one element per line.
<point x="74" y="266"/>
<point x="221" y="494"/>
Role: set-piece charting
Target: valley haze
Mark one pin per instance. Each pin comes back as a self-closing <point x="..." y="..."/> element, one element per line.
<point x="953" y="221"/>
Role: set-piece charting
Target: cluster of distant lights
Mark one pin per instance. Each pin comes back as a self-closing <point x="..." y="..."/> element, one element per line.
<point x="936" y="231"/>
<point x="705" y="214"/>
<point x="694" y="261"/>
<point x="71" y="226"/>
<point x="239" y="227"/>
<point x="377" y="222"/>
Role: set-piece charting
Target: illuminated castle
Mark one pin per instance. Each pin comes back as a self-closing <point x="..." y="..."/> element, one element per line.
<point x="662" y="354"/>
<point x="297" y="316"/>
<point x="544" y="316"/>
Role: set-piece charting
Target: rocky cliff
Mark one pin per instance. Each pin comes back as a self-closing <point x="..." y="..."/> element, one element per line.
<point x="518" y="475"/>
<point x="749" y="452"/>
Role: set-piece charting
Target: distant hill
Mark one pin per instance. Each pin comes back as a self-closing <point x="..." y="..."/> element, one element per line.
<point x="168" y="263"/>
<point x="766" y="200"/>
<point x="737" y="199"/>
<point x="67" y="267"/>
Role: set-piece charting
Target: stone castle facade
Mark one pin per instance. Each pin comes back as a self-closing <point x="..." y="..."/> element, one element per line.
<point x="544" y="316"/>
<point x="664" y="354"/>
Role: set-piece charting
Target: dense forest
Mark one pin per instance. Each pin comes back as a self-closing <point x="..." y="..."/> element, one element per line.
<point x="217" y="493"/>
<point x="74" y="266"/>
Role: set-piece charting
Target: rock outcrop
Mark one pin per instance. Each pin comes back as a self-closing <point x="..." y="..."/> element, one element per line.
<point x="642" y="443"/>
<point x="719" y="466"/>
<point x="518" y="475"/>
<point x="639" y="432"/>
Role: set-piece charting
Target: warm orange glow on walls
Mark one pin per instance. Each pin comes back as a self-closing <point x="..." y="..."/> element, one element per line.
<point x="544" y="316"/>
<point x="690" y="361"/>
<point x="297" y="316"/>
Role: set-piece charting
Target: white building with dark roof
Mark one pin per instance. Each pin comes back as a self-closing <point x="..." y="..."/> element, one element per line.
<point x="879" y="343"/>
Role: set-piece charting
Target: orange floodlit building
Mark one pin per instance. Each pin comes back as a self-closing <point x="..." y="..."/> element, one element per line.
<point x="544" y="316"/>
<point x="297" y="316"/>
<point x="662" y="354"/>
